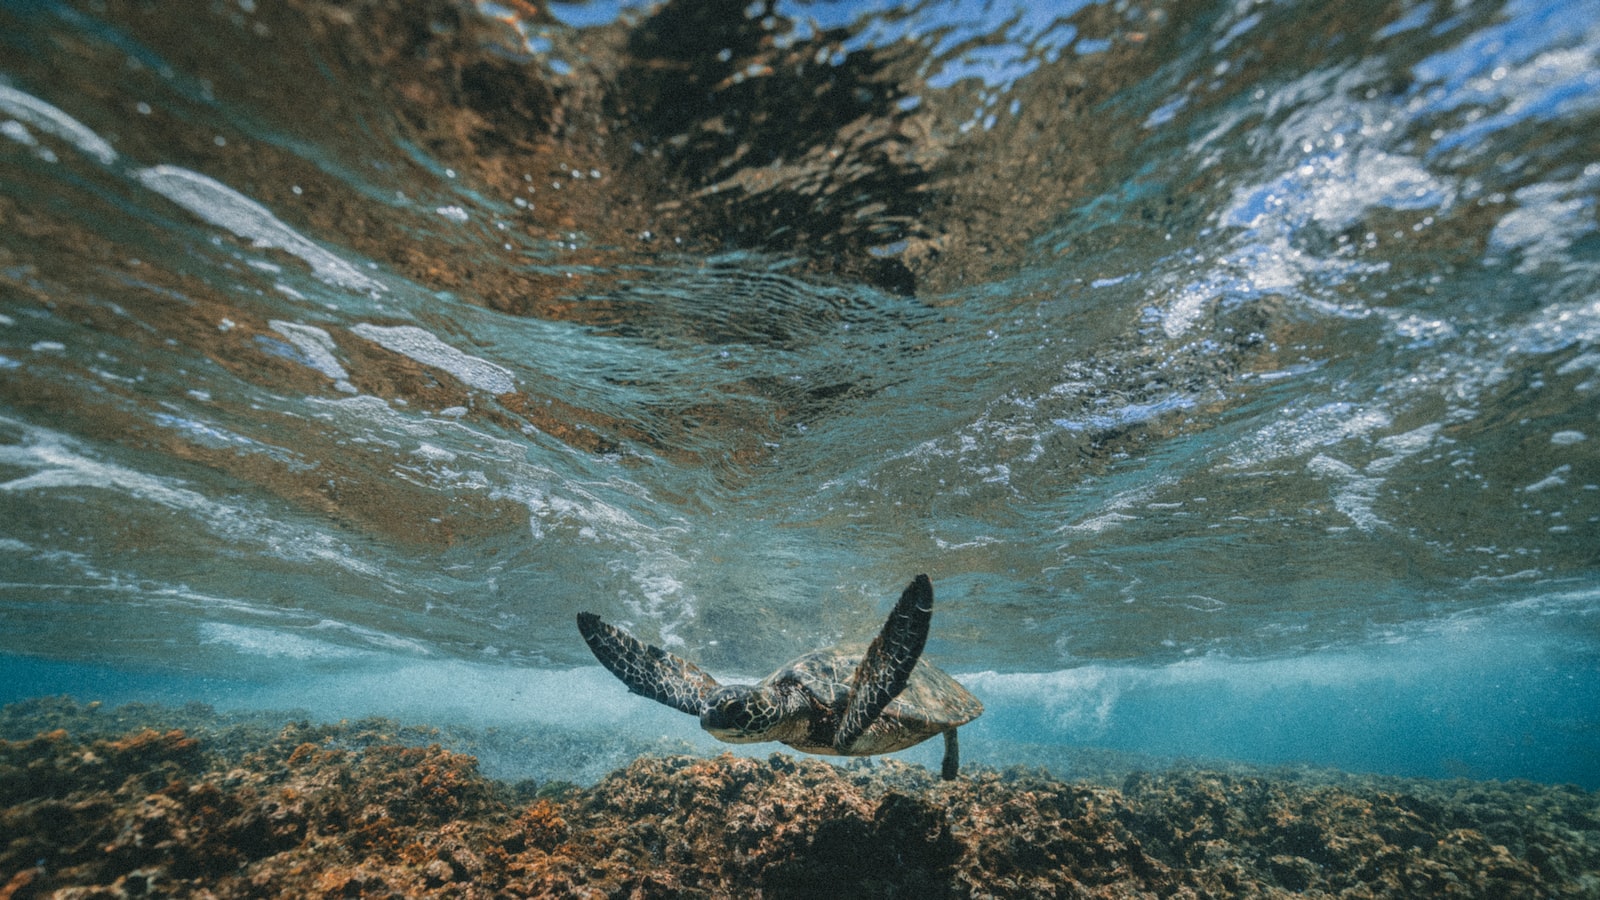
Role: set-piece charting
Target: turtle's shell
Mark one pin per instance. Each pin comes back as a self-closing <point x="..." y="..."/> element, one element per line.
<point x="932" y="703"/>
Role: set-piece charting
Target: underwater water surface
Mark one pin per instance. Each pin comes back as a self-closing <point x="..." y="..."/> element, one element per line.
<point x="1232" y="368"/>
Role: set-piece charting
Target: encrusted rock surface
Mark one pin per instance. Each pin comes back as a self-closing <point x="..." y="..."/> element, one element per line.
<point x="333" y="811"/>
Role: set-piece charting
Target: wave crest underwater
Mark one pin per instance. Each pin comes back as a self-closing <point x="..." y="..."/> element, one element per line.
<point x="1231" y="368"/>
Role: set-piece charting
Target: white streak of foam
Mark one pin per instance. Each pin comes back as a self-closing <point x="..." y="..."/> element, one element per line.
<point x="652" y="558"/>
<point x="1356" y="493"/>
<point x="1554" y="480"/>
<point x="377" y="413"/>
<point x="1114" y="509"/>
<point x="271" y="642"/>
<point x="434" y="453"/>
<point x="1335" y="190"/>
<point x="225" y="207"/>
<point x="1079" y="702"/>
<point x="1298" y="434"/>
<point x="18" y="132"/>
<point x="431" y="691"/>
<point x="1084" y="703"/>
<point x="314" y="345"/>
<point x="57" y="467"/>
<point x="317" y="347"/>
<point x="57" y="463"/>
<point x="1403" y="446"/>
<point x="424" y="347"/>
<point x="651" y="555"/>
<point x="380" y="639"/>
<point x="1549" y="219"/>
<point x="1329" y="425"/>
<point x="41" y="115"/>
<point x="453" y="454"/>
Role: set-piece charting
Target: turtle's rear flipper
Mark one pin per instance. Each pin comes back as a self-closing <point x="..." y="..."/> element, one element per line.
<point x="952" y="757"/>
<point x="882" y="674"/>
<point x="647" y="671"/>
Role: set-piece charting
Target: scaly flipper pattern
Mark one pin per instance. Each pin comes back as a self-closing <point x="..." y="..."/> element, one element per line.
<point x="647" y="670"/>
<point x="882" y="674"/>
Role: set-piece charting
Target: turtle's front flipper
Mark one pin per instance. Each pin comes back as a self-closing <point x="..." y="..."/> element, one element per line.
<point x="647" y="671"/>
<point x="882" y="674"/>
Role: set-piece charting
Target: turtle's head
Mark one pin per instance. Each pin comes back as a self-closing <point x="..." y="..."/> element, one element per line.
<point x="742" y="713"/>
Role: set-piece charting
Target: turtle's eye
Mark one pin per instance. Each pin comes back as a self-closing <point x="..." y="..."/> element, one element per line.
<point x="734" y="712"/>
<point x="737" y="714"/>
<point x="726" y="713"/>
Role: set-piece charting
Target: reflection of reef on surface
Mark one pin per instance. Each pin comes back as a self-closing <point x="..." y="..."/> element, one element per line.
<point x="703" y="178"/>
<point x="339" y="811"/>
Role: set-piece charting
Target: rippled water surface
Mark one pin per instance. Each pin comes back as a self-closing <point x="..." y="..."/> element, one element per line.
<point x="1232" y="368"/>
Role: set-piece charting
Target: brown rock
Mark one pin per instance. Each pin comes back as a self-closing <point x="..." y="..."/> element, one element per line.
<point x="332" y="811"/>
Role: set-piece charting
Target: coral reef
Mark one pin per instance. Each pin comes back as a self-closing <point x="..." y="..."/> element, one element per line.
<point x="335" y="811"/>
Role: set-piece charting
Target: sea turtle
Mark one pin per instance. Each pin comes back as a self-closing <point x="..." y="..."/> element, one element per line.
<point x="828" y="701"/>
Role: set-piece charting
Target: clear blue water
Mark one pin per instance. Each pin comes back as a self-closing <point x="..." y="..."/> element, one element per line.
<point x="1233" y="369"/>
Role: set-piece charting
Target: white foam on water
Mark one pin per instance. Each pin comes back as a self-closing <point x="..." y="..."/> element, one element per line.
<point x="1336" y="190"/>
<point x="30" y="109"/>
<point x="426" y="348"/>
<point x="1535" y="63"/>
<point x="1496" y="692"/>
<point x="432" y="453"/>
<point x="450" y="455"/>
<point x="1083" y="704"/>
<point x="225" y="207"/>
<point x="271" y="642"/>
<point x="1120" y="508"/>
<point x="376" y="415"/>
<point x="56" y="463"/>
<point x="1127" y="414"/>
<point x="1298" y="432"/>
<point x="1357" y="490"/>
<point x="459" y="692"/>
<point x="1547" y="221"/>
<point x="1553" y="480"/>
<point x="18" y="132"/>
<point x="318" y="349"/>
<point x="1338" y="157"/>
<point x="1404" y="445"/>
<point x="1355" y="494"/>
<point x="373" y="637"/>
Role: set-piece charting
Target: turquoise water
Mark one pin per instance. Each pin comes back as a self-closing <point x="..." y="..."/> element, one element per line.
<point x="1233" y="369"/>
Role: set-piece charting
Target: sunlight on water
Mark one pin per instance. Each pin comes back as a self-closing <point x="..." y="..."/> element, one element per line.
<point x="1187" y="349"/>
